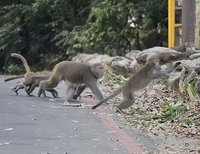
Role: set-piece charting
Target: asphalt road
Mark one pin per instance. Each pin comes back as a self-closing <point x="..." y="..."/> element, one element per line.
<point x="33" y="125"/>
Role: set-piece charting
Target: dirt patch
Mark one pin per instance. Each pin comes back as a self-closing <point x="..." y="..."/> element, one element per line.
<point x="173" y="125"/>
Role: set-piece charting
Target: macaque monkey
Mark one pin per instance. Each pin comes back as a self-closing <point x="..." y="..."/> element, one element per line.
<point x="30" y="83"/>
<point x="151" y="70"/>
<point x="75" y="75"/>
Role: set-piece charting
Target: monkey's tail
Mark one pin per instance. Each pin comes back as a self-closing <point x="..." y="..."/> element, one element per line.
<point x="14" y="77"/>
<point x="41" y="77"/>
<point x="115" y="93"/>
<point x="23" y="60"/>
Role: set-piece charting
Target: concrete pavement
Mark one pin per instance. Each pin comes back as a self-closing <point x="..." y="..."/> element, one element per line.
<point x="32" y="125"/>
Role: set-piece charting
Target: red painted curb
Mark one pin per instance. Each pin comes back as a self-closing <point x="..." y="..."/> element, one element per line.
<point x="123" y="137"/>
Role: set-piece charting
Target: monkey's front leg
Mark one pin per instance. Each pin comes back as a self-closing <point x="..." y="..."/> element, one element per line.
<point x="14" y="89"/>
<point x="96" y="91"/>
<point x="18" y="87"/>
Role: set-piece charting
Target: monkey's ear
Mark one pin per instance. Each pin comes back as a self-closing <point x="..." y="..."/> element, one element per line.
<point x="92" y="68"/>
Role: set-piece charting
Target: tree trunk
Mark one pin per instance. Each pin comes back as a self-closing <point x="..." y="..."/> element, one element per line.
<point x="197" y="30"/>
<point x="188" y="21"/>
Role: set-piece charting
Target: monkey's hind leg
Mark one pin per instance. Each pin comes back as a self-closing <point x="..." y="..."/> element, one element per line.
<point x="128" y="101"/>
<point x="70" y="91"/>
<point x="30" y="89"/>
<point x="42" y="88"/>
<point x="69" y="101"/>
<point x="79" y="90"/>
<point x="49" y="84"/>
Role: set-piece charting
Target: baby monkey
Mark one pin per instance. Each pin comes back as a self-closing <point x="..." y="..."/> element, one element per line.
<point x="29" y="83"/>
<point x="151" y="70"/>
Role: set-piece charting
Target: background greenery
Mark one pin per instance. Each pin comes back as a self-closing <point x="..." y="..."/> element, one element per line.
<point x="48" y="31"/>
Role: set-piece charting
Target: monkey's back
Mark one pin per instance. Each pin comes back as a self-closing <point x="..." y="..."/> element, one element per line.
<point x="72" y="71"/>
<point x="140" y="79"/>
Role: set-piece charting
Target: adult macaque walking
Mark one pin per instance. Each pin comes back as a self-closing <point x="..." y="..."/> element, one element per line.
<point x="30" y="83"/>
<point x="151" y="70"/>
<point x="75" y="75"/>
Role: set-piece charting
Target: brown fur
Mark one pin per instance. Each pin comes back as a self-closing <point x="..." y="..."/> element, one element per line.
<point x="138" y="81"/>
<point x="74" y="74"/>
<point x="29" y="83"/>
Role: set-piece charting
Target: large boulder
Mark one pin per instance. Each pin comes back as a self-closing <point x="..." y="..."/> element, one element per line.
<point x="166" y="55"/>
<point x="135" y="59"/>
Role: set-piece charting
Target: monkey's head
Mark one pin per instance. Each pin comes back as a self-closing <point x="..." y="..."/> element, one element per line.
<point x="154" y="62"/>
<point x="98" y="70"/>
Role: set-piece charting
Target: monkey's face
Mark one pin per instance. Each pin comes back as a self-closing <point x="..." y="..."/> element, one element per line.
<point x="101" y="71"/>
<point x="154" y="63"/>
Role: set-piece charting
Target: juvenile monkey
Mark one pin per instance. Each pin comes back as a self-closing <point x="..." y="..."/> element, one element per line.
<point x="75" y="75"/>
<point x="30" y="83"/>
<point x="151" y="70"/>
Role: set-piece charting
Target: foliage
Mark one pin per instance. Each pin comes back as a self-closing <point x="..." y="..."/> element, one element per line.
<point x="111" y="78"/>
<point x="115" y="27"/>
<point x="191" y="90"/>
<point x="169" y="111"/>
<point x="29" y="27"/>
<point x="13" y="69"/>
<point x="39" y="28"/>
